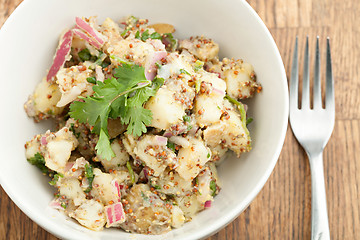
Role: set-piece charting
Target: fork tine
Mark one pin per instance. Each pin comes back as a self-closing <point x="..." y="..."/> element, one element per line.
<point x="329" y="101"/>
<point x="294" y="79"/>
<point x="317" y="84"/>
<point x="305" y="100"/>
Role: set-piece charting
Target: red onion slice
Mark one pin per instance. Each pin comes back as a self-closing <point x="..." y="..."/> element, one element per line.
<point x="85" y="37"/>
<point x="116" y="185"/>
<point x="207" y="204"/>
<point x="219" y="91"/>
<point x="150" y="67"/>
<point x="61" y="56"/>
<point x="43" y="140"/>
<point x="114" y="214"/>
<point x="161" y="140"/>
<point x="90" y="30"/>
<point x="55" y="205"/>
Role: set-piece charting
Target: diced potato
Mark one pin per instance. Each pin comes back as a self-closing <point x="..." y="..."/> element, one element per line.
<point x="165" y="110"/>
<point x="208" y="109"/>
<point x="204" y="179"/>
<point x="148" y="212"/>
<point x="120" y="159"/>
<point x="58" y="149"/>
<point x="91" y="215"/>
<point x="42" y="104"/>
<point x="33" y="146"/>
<point x="154" y="154"/>
<point x="203" y="48"/>
<point x="103" y="187"/>
<point x="240" y="78"/>
<point x="170" y="182"/>
<point x="189" y="205"/>
<point x="177" y="217"/>
<point x="72" y="83"/>
<point x="192" y="158"/>
<point x="170" y="102"/>
<point x="112" y="31"/>
<point x="70" y="188"/>
<point x="230" y="133"/>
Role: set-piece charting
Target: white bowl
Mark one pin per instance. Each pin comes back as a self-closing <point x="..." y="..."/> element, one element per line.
<point x="27" y="43"/>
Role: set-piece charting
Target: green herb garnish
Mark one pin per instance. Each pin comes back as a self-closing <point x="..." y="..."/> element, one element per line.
<point x="131" y="172"/>
<point x="171" y="146"/>
<point x="91" y="80"/>
<point x="55" y="179"/>
<point x="145" y="35"/>
<point x="249" y="120"/>
<point x="184" y="72"/>
<point x="39" y="161"/>
<point x="198" y="65"/>
<point x="121" y="96"/>
<point x="213" y="188"/>
<point x="186" y="118"/>
<point x="89" y="174"/>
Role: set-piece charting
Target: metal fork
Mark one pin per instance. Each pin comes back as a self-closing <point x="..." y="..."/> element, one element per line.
<point x="312" y="128"/>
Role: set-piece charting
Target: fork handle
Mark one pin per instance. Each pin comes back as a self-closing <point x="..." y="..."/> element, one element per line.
<point x="319" y="217"/>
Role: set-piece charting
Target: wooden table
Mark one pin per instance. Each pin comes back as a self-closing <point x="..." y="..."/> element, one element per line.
<point x="282" y="210"/>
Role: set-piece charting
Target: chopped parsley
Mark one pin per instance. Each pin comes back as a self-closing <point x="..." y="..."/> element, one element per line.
<point x="89" y="174"/>
<point x="39" y="161"/>
<point x="186" y="118"/>
<point x="213" y="188"/>
<point x="145" y="35"/>
<point x="198" y="65"/>
<point x="120" y="96"/>
<point x="85" y="55"/>
<point x="91" y="80"/>
<point x="249" y="120"/>
<point x="55" y="179"/>
<point x="184" y="72"/>
<point x="240" y="106"/>
<point x="171" y="146"/>
<point x="72" y="128"/>
<point x="131" y="172"/>
<point x="63" y="205"/>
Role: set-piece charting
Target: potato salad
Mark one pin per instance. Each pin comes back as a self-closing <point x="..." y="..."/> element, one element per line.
<point x="142" y="120"/>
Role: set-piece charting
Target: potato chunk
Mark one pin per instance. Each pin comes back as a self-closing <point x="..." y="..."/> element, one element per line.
<point x="91" y="215"/>
<point x="203" y="48"/>
<point x="192" y="158"/>
<point x="148" y="212"/>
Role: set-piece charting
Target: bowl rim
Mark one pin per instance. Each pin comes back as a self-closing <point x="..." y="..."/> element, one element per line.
<point x="219" y="224"/>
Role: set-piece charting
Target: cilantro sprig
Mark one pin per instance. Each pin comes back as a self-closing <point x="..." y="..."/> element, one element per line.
<point x="121" y="96"/>
<point x="89" y="174"/>
<point x="39" y="161"/>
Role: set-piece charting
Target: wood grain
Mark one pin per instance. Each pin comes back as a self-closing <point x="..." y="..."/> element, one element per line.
<point x="282" y="209"/>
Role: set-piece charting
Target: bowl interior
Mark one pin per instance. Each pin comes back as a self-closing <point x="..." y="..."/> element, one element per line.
<point x="27" y="43"/>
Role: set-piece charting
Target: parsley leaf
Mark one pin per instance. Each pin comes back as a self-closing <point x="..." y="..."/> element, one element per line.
<point x="145" y="35"/>
<point x="89" y="174"/>
<point x="213" y="188"/>
<point x="121" y="96"/>
<point x="184" y="72"/>
<point x="249" y="120"/>
<point x="55" y="179"/>
<point x="171" y="146"/>
<point x="39" y="161"/>
<point x="131" y="172"/>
